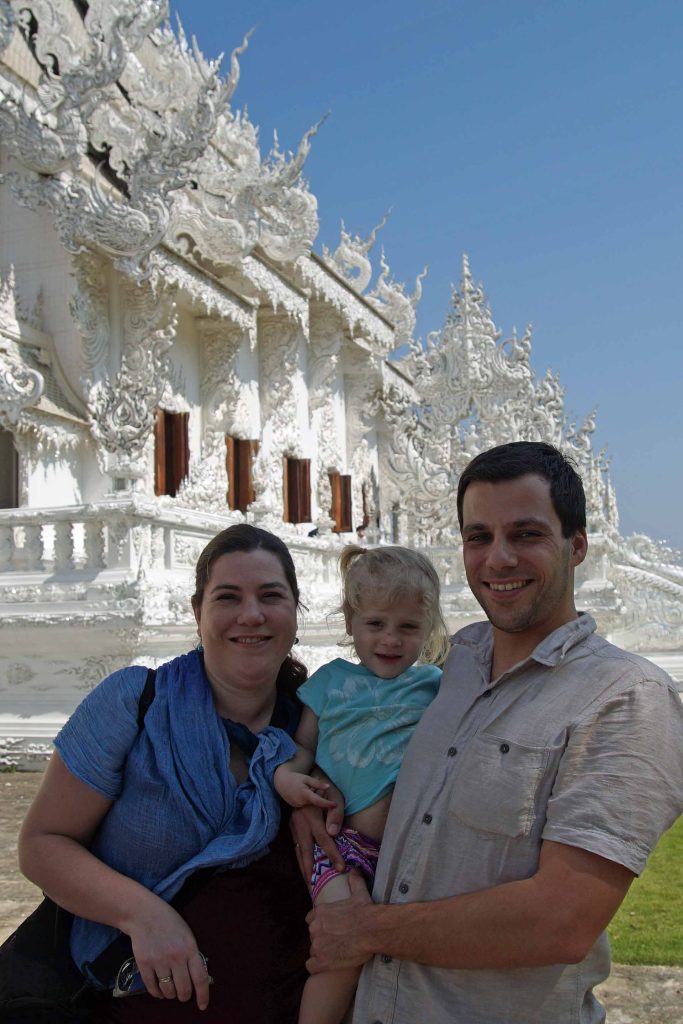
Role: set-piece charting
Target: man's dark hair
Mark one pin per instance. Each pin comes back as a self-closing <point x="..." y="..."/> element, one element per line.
<point x="509" y="461"/>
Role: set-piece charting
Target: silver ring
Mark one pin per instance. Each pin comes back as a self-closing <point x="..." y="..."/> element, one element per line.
<point x="163" y="981"/>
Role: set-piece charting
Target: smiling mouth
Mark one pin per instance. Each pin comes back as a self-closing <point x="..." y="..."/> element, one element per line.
<point x="249" y="641"/>
<point x="501" y="588"/>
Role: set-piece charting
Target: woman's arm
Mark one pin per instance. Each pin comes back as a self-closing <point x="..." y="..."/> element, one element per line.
<point x="53" y="853"/>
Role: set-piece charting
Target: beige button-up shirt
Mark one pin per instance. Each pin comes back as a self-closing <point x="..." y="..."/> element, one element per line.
<point x="582" y="743"/>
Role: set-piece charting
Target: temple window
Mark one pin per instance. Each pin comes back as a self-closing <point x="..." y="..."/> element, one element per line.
<point x="297" y="490"/>
<point x="171" y="451"/>
<point x="9" y="471"/>
<point x="239" y="460"/>
<point x="340" y="510"/>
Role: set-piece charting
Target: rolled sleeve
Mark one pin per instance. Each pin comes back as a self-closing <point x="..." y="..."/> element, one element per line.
<point x="95" y="741"/>
<point x="619" y="781"/>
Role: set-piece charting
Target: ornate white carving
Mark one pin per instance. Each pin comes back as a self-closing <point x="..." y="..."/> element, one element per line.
<point x="169" y="272"/>
<point x="18" y="310"/>
<point x="280" y="295"/>
<point x="391" y="299"/>
<point x="89" y="306"/>
<point x="20" y="387"/>
<point x="350" y="258"/>
<point x="475" y="392"/>
<point x="225" y="402"/>
<point x="183" y="167"/>
<point x="207" y="484"/>
<point x="279" y="349"/>
<point x="121" y="411"/>
<point x="354" y="311"/>
<point x="323" y="368"/>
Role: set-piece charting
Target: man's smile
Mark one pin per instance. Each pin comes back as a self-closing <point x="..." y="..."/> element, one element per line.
<point x="508" y="585"/>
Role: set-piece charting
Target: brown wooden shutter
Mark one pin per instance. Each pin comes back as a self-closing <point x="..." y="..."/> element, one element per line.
<point x="297" y="490"/>
<point x="9" y="471"/>
<point x="160" y="452"/>
<point x="171" y="451"/>
<point x="239" y="460"/>
<point x="340" y="511"/>
<point x="180" y="449"/>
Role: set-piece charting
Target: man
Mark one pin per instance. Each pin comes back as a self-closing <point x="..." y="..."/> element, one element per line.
<point x="533" y="790"/>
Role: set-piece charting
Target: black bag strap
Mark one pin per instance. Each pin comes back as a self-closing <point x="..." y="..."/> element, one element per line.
<point x="146" y="697"/>
<point x="105" y="966"/>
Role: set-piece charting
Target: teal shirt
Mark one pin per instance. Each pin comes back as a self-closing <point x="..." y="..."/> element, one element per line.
<point x="365" y="724"/>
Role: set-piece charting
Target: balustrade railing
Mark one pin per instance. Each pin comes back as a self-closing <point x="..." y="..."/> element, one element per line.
<point x="127" y="535"/>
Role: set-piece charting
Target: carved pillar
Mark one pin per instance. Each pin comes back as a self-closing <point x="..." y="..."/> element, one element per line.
<point x="284" y="411"/>
<point x="325" y="404"/>
<point x="122" y="408"/>
<point x="361" y="384"/>
<point x="229" y="406"/>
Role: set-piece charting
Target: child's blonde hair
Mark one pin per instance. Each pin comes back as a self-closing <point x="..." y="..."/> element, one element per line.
<point x="397" y="572"/>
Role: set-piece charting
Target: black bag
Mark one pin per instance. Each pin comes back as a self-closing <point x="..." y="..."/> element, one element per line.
<point x="39" y="982"/>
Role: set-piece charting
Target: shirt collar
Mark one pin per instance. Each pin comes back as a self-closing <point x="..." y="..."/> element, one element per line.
<point x="552" y="649"/>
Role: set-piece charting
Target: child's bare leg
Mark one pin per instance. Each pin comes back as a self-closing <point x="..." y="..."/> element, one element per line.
<point x="327" y="996"/>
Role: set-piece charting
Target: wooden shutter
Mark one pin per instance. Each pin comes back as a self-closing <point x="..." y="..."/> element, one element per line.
<point x="9" y="471"/>
<point x="171" y="451"/>
<point x="160" y="452"/>
<point x="176" y="425"/>
<point x="340" y="511"/>
<point x="297" y="491"/>
<point x="239" y="460"/>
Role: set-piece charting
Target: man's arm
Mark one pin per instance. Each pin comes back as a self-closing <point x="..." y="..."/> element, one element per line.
<point x="553" y="917"/>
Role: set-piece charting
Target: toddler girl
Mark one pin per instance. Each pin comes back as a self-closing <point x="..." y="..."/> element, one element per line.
<point x="357" y="722"/>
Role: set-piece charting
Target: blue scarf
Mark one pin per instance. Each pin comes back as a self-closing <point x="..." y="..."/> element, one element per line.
<point x="180" y="808"/>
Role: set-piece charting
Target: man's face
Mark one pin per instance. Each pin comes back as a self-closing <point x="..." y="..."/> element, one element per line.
<point x="519" y="566"/>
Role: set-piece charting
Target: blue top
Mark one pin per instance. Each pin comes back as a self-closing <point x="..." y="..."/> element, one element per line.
<point x="177" y="807"/>
<point x="365" y="724"/>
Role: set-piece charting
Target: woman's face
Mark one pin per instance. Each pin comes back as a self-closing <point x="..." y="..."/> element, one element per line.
<point x="247" y="619"/>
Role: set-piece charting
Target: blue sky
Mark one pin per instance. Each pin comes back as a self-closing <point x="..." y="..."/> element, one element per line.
<point x="543" y="138"/>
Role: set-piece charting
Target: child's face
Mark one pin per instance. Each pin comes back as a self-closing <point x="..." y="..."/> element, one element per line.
<point x="388" y="637"/>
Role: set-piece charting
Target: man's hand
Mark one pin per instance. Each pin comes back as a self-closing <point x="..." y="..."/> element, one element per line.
<point x="337" y="930"/>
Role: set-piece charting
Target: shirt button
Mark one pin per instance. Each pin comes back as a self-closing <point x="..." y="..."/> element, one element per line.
<point x="486" y="693"/>
<point x="386" y="959"/>
<point x="427" y="818"/>
<point x="452" y="751"/>
<point x="403" y="887"/>
<point x="504" y="747"/>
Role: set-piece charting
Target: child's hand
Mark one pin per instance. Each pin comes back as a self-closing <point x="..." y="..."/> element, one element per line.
<point x="300" y="790"/>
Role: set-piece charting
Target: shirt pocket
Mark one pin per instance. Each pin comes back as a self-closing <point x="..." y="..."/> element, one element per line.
<point x="496" y="786"/>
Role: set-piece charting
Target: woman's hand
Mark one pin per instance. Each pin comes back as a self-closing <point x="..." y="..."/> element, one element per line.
<point x="308" y="825"/>
<point x="166" y="953"/>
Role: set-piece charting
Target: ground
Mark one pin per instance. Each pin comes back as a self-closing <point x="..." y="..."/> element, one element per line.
<point x="632" y="995"/>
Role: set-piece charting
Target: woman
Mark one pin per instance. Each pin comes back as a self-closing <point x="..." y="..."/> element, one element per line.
<point x="127" y="819"/>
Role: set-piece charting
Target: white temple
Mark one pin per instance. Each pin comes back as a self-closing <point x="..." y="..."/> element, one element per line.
<point x="174" y="357"/>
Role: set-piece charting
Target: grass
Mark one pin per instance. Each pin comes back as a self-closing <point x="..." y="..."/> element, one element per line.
<point x="648" y="929"/>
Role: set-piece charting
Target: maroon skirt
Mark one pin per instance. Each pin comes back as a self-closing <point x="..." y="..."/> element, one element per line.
<point x="250" y="924"/>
